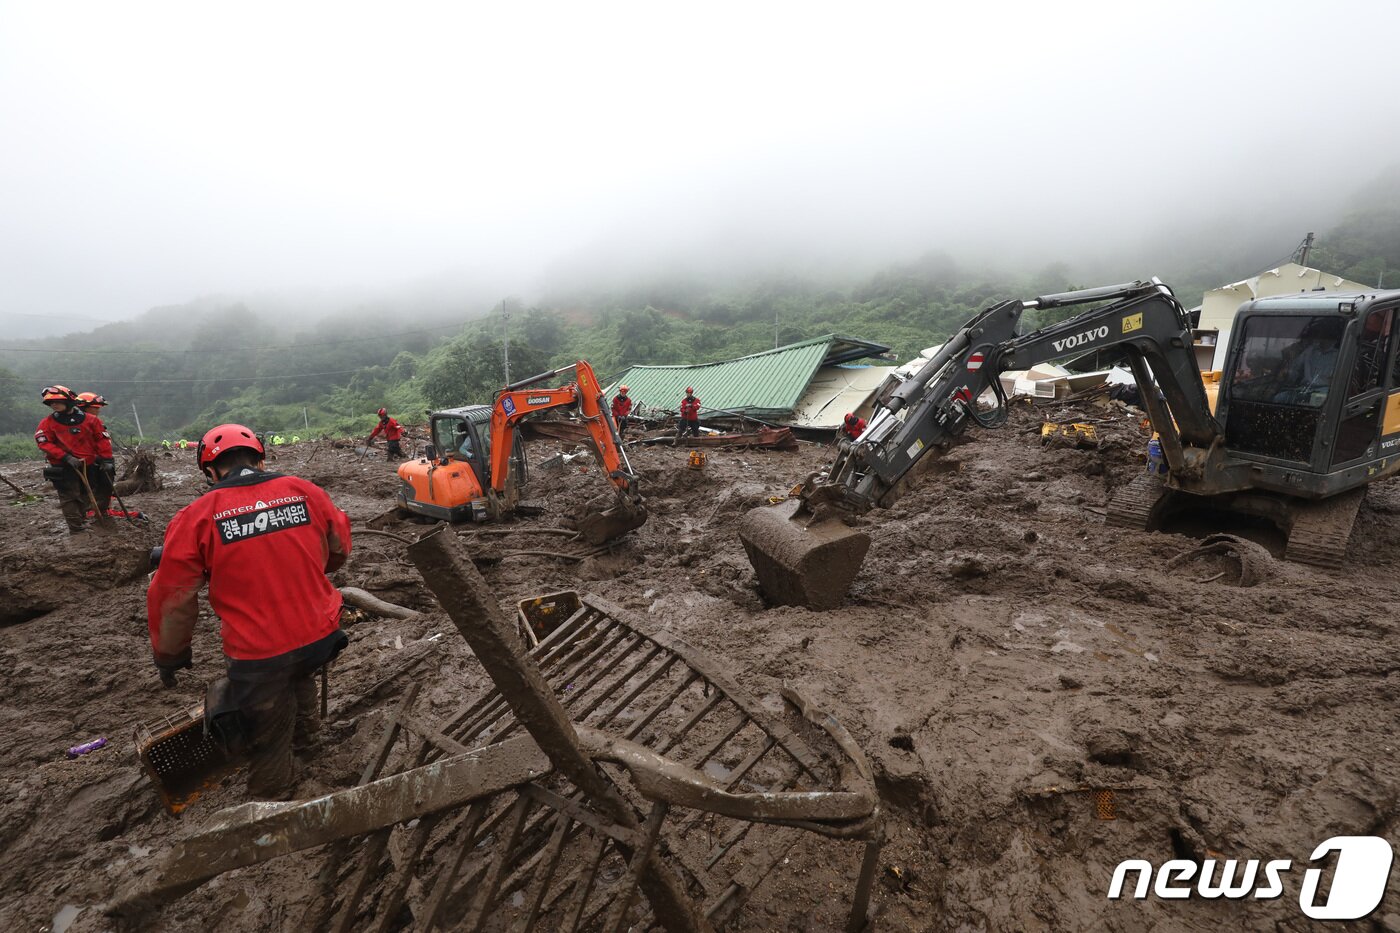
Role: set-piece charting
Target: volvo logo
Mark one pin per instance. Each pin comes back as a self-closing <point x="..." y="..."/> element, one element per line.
<point x="1069" y="343"/>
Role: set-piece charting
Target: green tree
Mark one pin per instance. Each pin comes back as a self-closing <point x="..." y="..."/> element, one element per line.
<point x="15" y="415"/>
<point x="469" y="369"/>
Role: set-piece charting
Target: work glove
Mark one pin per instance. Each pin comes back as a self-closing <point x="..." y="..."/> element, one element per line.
<point x="109" y="467"/>
<point x="168" y="664"/>
<point x="76" y="463"/>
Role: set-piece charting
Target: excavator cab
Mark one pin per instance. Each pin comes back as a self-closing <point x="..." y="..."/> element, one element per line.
<point x="465" y="434"/>
<point x="1308" y="390"/>
<point x="451" y="481"/>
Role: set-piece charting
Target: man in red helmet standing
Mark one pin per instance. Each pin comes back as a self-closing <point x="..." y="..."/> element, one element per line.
<point x="264" y="542"/>
<point x="853" y="425"/>
<point x="79" y="452"/>
<point x="690" y="414"/>
<point x="392" y="432"/>
<point x="621" y="408"/>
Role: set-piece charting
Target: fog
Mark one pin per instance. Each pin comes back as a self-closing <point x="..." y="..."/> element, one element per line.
<point x="158" y="152"/>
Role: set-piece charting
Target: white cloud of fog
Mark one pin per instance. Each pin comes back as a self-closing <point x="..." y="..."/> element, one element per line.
<point x="157" y="151"/>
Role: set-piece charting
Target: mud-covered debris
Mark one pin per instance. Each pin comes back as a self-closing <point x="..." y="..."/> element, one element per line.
<point x="969" y="567"/>
<point x="1251" y="563"/>
<point x="1114" y="747"/>
<point x="139" y="475"/>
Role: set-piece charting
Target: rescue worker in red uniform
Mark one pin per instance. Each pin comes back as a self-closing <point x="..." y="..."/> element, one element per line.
<point x="79" y="452"/>
<point x="690" y="414"/>
<point x="853" y="425"/>
<point x="264" y="542"/>
<point x="621" y="408"/>
<point x="92" y="404"/>
<point x="392" y="432"/>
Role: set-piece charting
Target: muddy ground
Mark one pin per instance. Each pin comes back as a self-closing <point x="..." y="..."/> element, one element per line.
<point x="1001" y="649"/>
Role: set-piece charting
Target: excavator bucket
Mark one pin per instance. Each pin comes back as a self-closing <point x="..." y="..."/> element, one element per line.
<point x="602" y="527"/>
<point x="801" y="562"/>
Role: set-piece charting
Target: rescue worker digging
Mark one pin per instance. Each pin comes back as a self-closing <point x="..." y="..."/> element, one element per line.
<point x="392" y="432"/>
<point x="853" y="425"/>
<point x="79" y="452"/>
<point x="621" y="408"/>
<point x="265" y="543"/>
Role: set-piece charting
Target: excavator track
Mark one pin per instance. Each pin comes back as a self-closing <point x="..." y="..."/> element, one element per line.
<point x="1321" y="530"/>
<point x="1133" y="505"/>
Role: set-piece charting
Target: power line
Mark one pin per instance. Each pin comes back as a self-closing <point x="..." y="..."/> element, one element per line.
<point x="335" y="372"/>
<point x="107" y="351"/>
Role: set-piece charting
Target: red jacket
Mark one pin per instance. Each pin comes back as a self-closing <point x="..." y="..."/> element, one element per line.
<point x="853" y="430"/>
<point x="621" y="407"/>
<point x="690" y="408"/>
<point x="265" y="543"/>
<point x="391" y="428"/>
<point x="79" y="434"/>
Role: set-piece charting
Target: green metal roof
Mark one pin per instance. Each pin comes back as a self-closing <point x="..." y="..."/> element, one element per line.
<point x="762" y="385"/>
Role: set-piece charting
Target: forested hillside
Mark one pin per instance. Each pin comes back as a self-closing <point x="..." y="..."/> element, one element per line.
<point x="187" y="367"/>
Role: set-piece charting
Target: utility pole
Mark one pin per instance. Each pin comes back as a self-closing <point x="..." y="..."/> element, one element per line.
<point x="138" y="422"/>
<point x="505" y="337"/>
<point x="775" y="330"/>
<point x="306" y="421"/>
<point x="1304" y="249"/>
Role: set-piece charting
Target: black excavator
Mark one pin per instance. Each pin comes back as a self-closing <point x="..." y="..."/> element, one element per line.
<point x="1308" y="414"/>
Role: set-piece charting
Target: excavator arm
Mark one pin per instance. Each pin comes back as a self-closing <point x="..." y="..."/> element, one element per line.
<point x="520" y="400"/>
<point x="805" y="556"/>
<point x="1144" y="319"/>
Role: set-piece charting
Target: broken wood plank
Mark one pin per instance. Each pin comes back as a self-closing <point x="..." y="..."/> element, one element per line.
<point x="255" y="832"/>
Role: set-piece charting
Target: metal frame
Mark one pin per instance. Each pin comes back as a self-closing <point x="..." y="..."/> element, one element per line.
<point x="614" y="778"/>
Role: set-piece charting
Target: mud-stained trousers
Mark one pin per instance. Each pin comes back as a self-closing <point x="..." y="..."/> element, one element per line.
<point x="280" y="708"/>
<point x="285" y="719"/>
<point x="73" y="498"/>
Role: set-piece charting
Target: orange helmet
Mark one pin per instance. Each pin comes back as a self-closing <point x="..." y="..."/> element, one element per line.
<point x="90" y="400"/>
<point x="621" y="390"/>
<point x="224" y="438"/>
<point x="58" y="394"/>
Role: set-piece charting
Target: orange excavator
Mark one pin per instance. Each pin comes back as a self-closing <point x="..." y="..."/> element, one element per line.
<point x="475" y="467"/>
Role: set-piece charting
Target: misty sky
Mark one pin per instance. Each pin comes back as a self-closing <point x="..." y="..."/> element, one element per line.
<point x="154" y="152"/>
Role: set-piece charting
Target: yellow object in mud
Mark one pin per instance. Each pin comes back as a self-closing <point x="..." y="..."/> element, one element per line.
<point x="1210" y="379"/>
<point x="698" y="459"/>
<point x="1076" y="431"/>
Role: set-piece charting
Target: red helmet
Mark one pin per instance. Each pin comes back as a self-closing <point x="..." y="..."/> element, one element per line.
<point x="850" y="418"/>
<point x="621" y="390"/>
<point x="90" y="400"/>
<point x="58" y="394"/>
<point x="224" y="438"/>
<point x="689" y="390"/>
<point x="383" y="412"/>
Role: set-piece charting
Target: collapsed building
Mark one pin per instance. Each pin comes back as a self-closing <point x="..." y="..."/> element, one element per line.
<point x="807" y="386"/>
